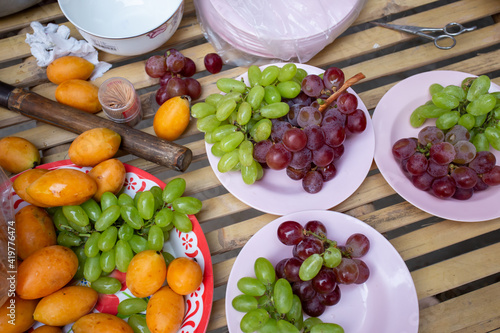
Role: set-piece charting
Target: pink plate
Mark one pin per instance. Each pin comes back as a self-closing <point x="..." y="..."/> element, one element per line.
<point x="387" y="302"/>
<point x="193" y="245"/>
<point x="391" y="121"/>
<point x="277" y="194"/>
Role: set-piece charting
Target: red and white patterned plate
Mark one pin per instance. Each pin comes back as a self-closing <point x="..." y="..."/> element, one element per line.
<point x="193" y="245"/>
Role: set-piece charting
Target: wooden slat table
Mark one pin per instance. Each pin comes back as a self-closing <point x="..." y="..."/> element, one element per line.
<point x="455" y="265"/>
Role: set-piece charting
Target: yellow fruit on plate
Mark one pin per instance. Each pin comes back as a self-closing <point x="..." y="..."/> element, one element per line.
<point x="18" y="154"/>
<point x="184" y="275"/>
<point x="172" y="118"/>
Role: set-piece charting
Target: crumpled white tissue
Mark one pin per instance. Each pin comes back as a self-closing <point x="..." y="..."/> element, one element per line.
<point x="53" y="41"/>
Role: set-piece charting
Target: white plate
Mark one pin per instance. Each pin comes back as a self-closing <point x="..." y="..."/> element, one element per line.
<point x="277" y="194"/>
<point x="391" y="121"/>
<point x="387" y="302"/>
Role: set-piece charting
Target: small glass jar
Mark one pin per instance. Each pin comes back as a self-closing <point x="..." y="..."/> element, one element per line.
<point x="120" y="101"/>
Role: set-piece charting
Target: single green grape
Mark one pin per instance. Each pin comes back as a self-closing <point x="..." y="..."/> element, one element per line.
<point x="108" y="261"/>
<point x="187" y="205"/>
<point x="231" y="141"/>
<point x="244" y="303"/>
<point x="174" y="189"/>
<point x="208" y="123"/>
<point x="138" y="323"/>
<point x="264" y="271"/>
<point x="131" y="216"/>
<point x="285" y="326"/>
<point x="123" y="255"/>
<point x="228" y="161"/>
<point x="287" y="72"/>
<point x="479" y="86"/>
<point x="92" y="209"/>
<point x="269" y="75"/>
<point x="447" y="120"/>
<point x="182" y="222"/>
<point x="164" y="217"/>
<point x="213" y="99"/>
<point x="295" y="316"/>
<point x="132" y="306"/>
<point x="107" y="239"/>
<point x="108" y="199"/>
<point x="92" y="268"/>
<point x="91" y="247"/>
<point x="332" y="257"/>
<point x="155" y="238"/>
<point x="261" y="130"/>
<point x="251" y="286"/>
<point x="271" y="95"/>
<point x="106" y="285"/>
<point x="224" y="109"/>
<point x="253" y="320"/>
<point x="108" y="217"/>
<point x="125" y="199"/>
<point x="256" y="96"/>
<point x="275" y="110"/>
<point x="222" y="131"/>
<point x="146" y="205"/>
<point x="283" y="296"/>
<point x="289" y="89"/>
<point x="138" y="243"/>
<point x="68" y="239"/>
<point x="228" y="85"/>
<point x="76" y="214"/>
<point x="254" y="75"/>
<point x="445" y="101"/>
<point x="244" y="113"/>
<point x="246" y="153"/>
<point x="310" y="267"/>
<point x="250" y="174"/>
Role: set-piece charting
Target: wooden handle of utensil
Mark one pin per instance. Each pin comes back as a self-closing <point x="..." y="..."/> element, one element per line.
<point x="136" y="142"/>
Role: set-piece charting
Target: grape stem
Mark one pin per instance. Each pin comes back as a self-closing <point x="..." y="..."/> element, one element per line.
<point x="321" y="238"/>
<point x="353" y="80"/>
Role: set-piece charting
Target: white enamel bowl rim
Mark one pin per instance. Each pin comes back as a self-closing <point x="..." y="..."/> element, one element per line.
<point x="170" y="7"/>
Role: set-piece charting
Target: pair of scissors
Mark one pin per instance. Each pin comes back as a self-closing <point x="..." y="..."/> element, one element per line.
<point x="448" y="32"/>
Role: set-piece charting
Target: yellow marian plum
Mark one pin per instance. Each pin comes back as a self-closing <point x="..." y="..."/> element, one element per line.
<point x="46" y="271"/>
<point x="62" y="187"/>
<point x="18" y="154"/>
<point x="66" y="305"/>
<point x="94" y="146"/>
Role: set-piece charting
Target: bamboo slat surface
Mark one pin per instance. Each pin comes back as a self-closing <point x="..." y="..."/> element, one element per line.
<point x="455" y="266"/>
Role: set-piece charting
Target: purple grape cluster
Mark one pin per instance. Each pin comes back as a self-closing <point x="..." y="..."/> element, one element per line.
<point x="175" y="72"/>
<point x="446" y="164"/>
<point x="307" y="142"/>
<point x="340" y="264"/>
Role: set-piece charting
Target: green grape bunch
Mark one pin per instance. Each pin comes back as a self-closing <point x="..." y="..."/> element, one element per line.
<point x="234" y="121"/>
<point x="106" y="235"/>
<point x="270" y="305"/>
<point x="469" y="105"/>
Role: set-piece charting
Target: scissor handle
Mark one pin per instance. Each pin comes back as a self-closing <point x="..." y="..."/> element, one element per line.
<point x="440" y="38"/>
<point x="454" y="29"/>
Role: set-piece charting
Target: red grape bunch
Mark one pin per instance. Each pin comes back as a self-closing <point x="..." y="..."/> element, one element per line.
<point x="307" y="142"/>
<point x="446" y="164"/>
<point x="175" y="72"/>
<point x="319" y="265"/>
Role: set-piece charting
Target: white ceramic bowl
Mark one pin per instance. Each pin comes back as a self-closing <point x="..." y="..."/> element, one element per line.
<point x="124" y="27"/>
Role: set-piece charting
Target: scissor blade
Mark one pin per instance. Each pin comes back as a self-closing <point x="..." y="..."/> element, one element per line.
<point x="405" y="28"/>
